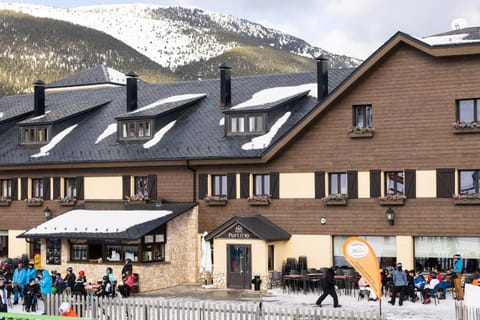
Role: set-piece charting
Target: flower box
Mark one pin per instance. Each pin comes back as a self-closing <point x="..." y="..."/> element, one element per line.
<point x="68" y="204"/>
<point x="67" y="201"/>
<point x="137" y="199"/>
<point x="5" y="202"/>
<point x="466" y="201"/>
<point x="35" y="204"/>
<point x="335" y="199"/>
<point x="263" y="200"/>
<point x="390" y="202"/>
<point x="215" y="200"/>
<point x="466" y="126"/>
<point x="336" y="202"/>
<point x="466" y="130"/>
<point x="470" y="198"/>
<point x="354" y="135"/>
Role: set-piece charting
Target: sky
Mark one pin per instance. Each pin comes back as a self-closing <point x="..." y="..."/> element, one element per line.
<point x="352" y="27"/>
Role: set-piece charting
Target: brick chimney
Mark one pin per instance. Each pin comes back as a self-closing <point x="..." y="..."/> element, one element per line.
<point x="131" y="91"/>
<point x="225" y="85"/>
<point x="322" y="77"/>
<point x="38" y="98"/>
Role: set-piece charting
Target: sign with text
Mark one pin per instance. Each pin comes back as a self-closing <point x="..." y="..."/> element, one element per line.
<point x="237" y="232"/>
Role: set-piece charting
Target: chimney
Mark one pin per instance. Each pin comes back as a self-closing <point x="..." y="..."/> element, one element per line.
<point x="131" y="91"/>
<point x="322" y="77"/>
<point x="225" y="85"/>
<point x="38" y="98"/>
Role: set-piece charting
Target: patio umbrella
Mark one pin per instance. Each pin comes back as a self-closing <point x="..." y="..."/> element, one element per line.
<point x="206" y="257"/>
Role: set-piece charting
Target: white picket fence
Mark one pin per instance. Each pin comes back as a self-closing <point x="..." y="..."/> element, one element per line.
<point x="162" y="309"/>
<point x="463" y="312"/>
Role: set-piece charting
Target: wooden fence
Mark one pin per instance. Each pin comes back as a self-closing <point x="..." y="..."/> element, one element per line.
<point x="161" y="309"/>
<point x="463" y="312"/>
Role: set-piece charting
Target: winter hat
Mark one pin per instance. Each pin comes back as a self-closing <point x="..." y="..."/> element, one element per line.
<point x="64" y="307"/>
<point x="81" y="273"/>
<point x="69" y="269"/>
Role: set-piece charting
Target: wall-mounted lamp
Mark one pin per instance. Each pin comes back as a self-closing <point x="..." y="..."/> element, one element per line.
<point x="390" y="216"/>
<point x="48" y="213"/>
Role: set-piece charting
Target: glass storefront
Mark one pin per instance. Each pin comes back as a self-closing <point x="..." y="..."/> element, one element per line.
<point x="385" y="248"/>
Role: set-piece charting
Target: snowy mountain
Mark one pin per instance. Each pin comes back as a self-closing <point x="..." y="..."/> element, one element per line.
<point x="176" y="36"/>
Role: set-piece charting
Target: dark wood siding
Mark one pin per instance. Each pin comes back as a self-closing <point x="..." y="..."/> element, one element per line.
<point x="275" y="185"/>
<point x="244" y="185"/>
<point x="445" y="183"/>
<point x="352" y="182"/>
<point x="375" y="183"/>
<point x="319" y="184"/>
<point x="410" y="183"/>
<point x="231" y="185"/>
<point x="202" y="186"/>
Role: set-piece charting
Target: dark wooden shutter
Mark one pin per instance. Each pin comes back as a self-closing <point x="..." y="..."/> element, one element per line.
<point x="410" y="183"/>
<point x="152" y="186"/>
<point x="275" y="185"/>
<point x="24" y="187"/>
<point x="80" y="188"/>
<point x="126" y="186"/>
<point x="319" y="184"/>
<point x="352" y="184"/>
<point x="445" y="183"/>
<point x="244" y="185"/>
<point x="56" y="188"/>
<point x="375" y="183"/>
<point x="231" y="185"/>
<point x="14" y="186"/>
<point x="46" y="188"/>
<point x="202" y="186"/>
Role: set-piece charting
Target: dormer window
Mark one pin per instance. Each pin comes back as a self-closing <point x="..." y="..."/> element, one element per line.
<point x="135" y="129"/>
<point x="34" y="135"/>
<point x="246" y="124"/>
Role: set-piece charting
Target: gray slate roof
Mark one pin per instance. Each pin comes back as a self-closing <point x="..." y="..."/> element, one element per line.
<point x="96" y="75"/>
<point x="196" y="134"/>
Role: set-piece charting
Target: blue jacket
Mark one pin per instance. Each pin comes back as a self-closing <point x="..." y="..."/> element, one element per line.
<point x="30" y="274"/>
<point x="46" y="283"/>
<point x="419" y="282"/>
<point x="458" y="266"/>
<point x="19" y="276"/>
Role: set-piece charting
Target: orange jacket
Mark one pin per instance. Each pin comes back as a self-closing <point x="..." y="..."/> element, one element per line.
<point x="70" y="313"/>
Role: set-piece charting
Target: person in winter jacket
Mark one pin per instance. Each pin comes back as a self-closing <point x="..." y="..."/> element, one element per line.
<point x="399" y="285"/>
<point x="31" y="272"/>
<point x="329" y="289"/>
<point x="31" y="293"/>
<point x="105" y="289"/>
<point x="430" y="288"/>
<point x="45" y="285"/>
<point x="69" y="280"/>
<point x="18" y="282"/>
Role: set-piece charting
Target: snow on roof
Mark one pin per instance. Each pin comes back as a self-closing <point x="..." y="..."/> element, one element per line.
<point x="111" y="129"/>
<point x="263" y="141"/>
<point x="448" y="39"/>
<point x="116" y="76"/>
<point x="59" y="137"/>
<point x="97" y="221"/>
<point x="1" y="115"/>
<point x="41" y="116"/>
<point x="169" y="100"/>
<point x="159" y="135"/>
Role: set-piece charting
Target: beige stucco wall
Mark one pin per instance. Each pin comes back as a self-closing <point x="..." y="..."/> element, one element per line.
<point x="19" y="189"/>
<point x="317" y="248"/>
<point x="297" y="185"/>
<point x="100" y="188"/>
<point x="209" y="185"/>
<point x="364" y="184"/>
<point x="426" y="183"/>
<point x="237" y="184"/>
<point x="405" y="252"/>
<point x="16" y="246"/>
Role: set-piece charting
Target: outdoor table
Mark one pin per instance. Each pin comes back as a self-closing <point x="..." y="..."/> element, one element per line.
<point x="315" y="278"/>
<point x="292" y="280"/>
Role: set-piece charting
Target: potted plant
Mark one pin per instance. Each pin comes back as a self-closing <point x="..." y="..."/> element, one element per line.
<point x="67" y="201"/>
<point x="361" y="132"/>
<point x="336" y="199"/>
<point x="215" y="200"/>
<point x="260" y="200"/>
<point x="5" y="202"/>
<point x="467" y="198"/>
<point x="34" y="202"/>
<point x="392" y="200"/>
<point x="137" y="198"/>
<point x="466" y="126"/>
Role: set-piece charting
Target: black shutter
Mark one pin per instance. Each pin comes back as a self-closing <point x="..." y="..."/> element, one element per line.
<point x="56" y="188"/>
<point x="410" y="184"/>
<point x="352" y="187"/>
<point x="46" y="188"/>
<point x="375" y="183"/>
<point x="244" y="185"/>
<point x="274" y="185"/>
<point x="319" y="184"/>
<point x="14" y="186"/>
<point x="202" y="186"/>
<point x="126" y="186"/>
<point x="152" y="186"/>
<point x="80" y="191"/>
<point x="24" y="187"/>
<point x="445" y="183"/>
<point x="231" y="185"/>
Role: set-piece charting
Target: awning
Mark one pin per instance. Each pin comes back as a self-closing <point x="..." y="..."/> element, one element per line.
<point x="100" y="220"/>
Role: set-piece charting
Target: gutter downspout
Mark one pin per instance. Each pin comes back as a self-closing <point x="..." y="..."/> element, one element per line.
<point x="194" y="171"/>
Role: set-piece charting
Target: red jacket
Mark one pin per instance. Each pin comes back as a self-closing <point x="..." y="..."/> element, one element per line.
<point x="70" y="313"/>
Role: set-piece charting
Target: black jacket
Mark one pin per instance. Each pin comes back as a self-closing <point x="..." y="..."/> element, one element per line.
<point x="329" y="280"/>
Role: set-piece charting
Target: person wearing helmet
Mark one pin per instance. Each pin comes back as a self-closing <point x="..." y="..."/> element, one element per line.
<point x="3" y="295"/>
<point x="66" y="310"/>
<point x="105" y="289"/>
<point x="69" y="280"/>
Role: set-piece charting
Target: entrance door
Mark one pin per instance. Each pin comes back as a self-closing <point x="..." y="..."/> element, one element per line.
<point x="239" y="268"/>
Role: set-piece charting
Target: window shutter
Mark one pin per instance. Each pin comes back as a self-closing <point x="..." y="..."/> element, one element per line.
<point x="231" y="186"/>
<point x="56" y="188"/>
<point x="445" y="183"/>
<point x="46" y="188"/>
<point x="244" y="185"/>
<point x="202" y="186"/>
<point x="126" y="186"/>
<point x="14" y="184"/>
<point x="410" y="184"/>
<point x="80" y="191"/>
<point x="319" y="184"/>
<point x="24" y="187"/>
<point x="352" y="184"/>
<point x="274" y="185"/>
<point x="375" y="181"/>
<point x="152" y="186"/>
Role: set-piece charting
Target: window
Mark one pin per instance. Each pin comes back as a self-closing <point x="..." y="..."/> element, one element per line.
<point x="255" y="123"/>
<point x="136" y="129"/>
<point x="338" y="183"/>
<point x="468" y="181"/>
<point x="468" y="110"/>
<point x="83" y="250"/>
<point x="246" y="124"/>
<point x="261" y="184"/>
<point x="362" y="116"/>
<point x="54" y="251"/>
<point x="154" y="245"/>
<point x="141" y="186"/>
<point x="394" y="182"/>
<point x="271" y="255"/>
<point x="37" y="188"/>
<point x="34" y="135"/>
<point x="219" y="185"/>
<point x="237" y="124"/>
<point x="71" y="187"/>
<point x="5" y="189"/>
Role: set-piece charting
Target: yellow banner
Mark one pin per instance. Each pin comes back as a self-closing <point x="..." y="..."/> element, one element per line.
<point x="363" y="259"/>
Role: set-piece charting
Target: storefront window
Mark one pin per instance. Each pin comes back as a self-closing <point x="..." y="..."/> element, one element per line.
<point x="154" y="245"/>
<point x="54" y="251"/>
<point x="385" y="248"/>
<point x="3" y="244"/>
<point x="81" y="250"/>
